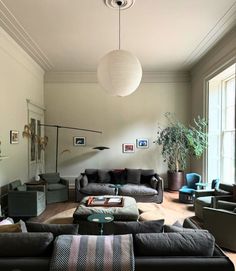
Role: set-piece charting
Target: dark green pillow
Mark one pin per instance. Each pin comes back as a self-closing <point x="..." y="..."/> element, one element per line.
<point x="133" y="175"/>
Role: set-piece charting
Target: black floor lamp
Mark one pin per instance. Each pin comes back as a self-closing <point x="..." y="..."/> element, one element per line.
<point x="70" y="128"/>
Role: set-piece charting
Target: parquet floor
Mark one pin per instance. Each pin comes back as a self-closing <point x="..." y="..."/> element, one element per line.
<point x="171" y="207"/>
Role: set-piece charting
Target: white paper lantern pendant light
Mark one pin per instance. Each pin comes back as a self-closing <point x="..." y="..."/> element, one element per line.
<point x="119" y="72"/>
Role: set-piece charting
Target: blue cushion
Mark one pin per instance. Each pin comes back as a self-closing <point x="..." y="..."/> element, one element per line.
<point x="185" y="189"/>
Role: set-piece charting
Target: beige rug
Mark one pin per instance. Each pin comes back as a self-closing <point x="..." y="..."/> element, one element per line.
<point x="148" y="211"/>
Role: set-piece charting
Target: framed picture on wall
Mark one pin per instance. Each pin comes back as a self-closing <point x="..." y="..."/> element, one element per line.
<point x="127" y="147"/>
<point x="79" y="141"/>
<point x="14" y="137"/>
<point x="142" y="143"/>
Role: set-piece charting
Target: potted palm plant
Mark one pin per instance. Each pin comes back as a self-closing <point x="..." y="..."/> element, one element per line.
<point x="180" y="142"/>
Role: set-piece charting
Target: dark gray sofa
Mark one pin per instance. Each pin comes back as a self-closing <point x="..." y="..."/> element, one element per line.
<point x="142" y="184"/>
<point x="153" y="251"/>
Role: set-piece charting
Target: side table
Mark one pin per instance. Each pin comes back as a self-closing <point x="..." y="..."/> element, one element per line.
<point x="100" y="219"/>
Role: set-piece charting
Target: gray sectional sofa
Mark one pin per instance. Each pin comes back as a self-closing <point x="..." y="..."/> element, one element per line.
<point x="179" y="250"/>
<point x="142" y="184"/>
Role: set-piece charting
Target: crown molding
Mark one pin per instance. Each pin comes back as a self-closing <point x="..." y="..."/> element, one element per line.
<point x="225" y="23"/>
<point x="12" y="26"/>
<point x="91" y="77"/>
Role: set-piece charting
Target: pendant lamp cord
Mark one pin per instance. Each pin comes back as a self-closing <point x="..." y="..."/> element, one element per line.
<point x="119" y="4"/>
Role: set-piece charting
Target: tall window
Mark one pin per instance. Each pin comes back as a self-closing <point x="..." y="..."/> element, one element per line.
<point x="221" y="127"/>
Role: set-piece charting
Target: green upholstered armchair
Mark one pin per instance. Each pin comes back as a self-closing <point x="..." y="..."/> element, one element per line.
<point x="209" y="198"/>
<point x="57" y="187"/>
<point x="23" y="202"/>
<point x="221" y="222"/>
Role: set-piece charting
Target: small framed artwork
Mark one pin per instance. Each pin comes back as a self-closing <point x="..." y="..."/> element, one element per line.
<point x="142" y="143"/>
<point x="79" y="141"/>
<point x="128" y="147"/>
<point x="14" y="137"/>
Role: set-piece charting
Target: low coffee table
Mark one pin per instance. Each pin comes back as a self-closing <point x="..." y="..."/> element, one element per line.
<point x="129" y="211"/>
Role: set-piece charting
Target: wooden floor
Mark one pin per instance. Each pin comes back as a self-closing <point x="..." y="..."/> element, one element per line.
<point x="171" y="207"/>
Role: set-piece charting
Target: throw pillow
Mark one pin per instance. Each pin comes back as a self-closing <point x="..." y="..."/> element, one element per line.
<point x="25" y="244"/>
<point x="55" y="229"/>
<point x="133" y="175"/>
<point x="10" y="228"/>
<point x="146" y="175"/>
<point x="134" y="227"/>
<point x="199" y="243"/>
<point x="84" y="181"/>
<point x="117" y="176"/>
<point x="7" y="221"/>
<point x="104" y="176"/>
<point x="92" y="175"/>
<point x="21" y="187"/>
<point x="154" y="182"/>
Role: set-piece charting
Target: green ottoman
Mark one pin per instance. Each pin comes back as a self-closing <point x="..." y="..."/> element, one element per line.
<point x="129" y="212"/>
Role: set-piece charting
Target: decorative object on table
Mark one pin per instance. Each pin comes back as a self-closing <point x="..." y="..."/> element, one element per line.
<point x="119" y="72"/>
<point x="127" y="147"/>
<point x="14" y="137"/>
<point x="79" y="141"/>
<point x="105" y="201"/>
<point x="100" y="219"/>
<point x="142" y="143"/>
<point x="180" y="142"/>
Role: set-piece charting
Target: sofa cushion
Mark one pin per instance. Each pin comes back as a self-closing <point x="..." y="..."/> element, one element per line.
<point x="25" y="244"/>
<point x="50" y="177"/>
<point x="137" y="190"/>
<point x="146" y="175"/>
<point x="104" y="176"/>
<point x="134" y="227"/>
<point x="133" y="175"/>
<point x="92" y="175"/>
<point x="118" y="176"/>
<point x="97" y="189"/>
<point x="55" y="186"/>
<point x="199" y="243"/>
<point x="173" y="228"/>
<point x="55" y="229"/>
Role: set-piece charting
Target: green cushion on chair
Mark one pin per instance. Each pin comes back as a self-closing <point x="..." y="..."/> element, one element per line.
<point x="51" y="177"/>
<point x="55" y="186"/>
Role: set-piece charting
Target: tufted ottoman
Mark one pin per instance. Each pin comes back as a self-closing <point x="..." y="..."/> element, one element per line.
<point x="129" y="211"/>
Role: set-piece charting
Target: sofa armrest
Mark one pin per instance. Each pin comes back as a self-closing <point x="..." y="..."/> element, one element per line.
<point x="158" y="184"/>
<point x="225" y="205"/>
<point x="215" y="199"/>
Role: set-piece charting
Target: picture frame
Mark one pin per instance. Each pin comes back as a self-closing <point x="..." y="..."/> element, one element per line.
<point x="142" y="143"/>
<point x="79" y="140"/>
<point x="14" y="137"/>
<point x="128" y="148"/>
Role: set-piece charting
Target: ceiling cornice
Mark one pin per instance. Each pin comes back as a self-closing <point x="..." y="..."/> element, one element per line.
<point x="225" y="23"/>
<point x="91" y="77"/>
<point x="12" y="26"/>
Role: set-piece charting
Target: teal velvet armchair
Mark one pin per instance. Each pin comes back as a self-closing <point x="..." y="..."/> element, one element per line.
<point x="57" y="187"/>
<point x="25" y="202"/>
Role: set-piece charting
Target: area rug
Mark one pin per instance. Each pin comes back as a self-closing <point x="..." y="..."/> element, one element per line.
<point x="147" y="211"/>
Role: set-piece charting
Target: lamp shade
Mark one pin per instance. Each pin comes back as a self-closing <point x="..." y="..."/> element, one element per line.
<point x="119" y="73"/>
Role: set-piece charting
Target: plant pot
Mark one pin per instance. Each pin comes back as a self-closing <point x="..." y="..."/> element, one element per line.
<point x="175" y="180"/>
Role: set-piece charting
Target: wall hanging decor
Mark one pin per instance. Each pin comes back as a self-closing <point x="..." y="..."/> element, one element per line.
<point x="127" y="147"/>
<point x="14" y="137"/>
<point x="142" y="143"/>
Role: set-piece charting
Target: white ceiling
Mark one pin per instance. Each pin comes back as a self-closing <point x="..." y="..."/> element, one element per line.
<point x="72" y="35"/>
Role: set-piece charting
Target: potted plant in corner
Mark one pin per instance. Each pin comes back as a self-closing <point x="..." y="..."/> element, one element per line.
<point x="180" y="142"/>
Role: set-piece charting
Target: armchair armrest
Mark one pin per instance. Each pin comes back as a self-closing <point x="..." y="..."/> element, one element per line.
<point x="64" y="181"/>
<point x="204" y="193"/>
<point x="215" y="199"/>
<point x="225" y="205"/>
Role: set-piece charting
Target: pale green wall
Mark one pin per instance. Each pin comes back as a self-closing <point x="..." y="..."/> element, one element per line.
<point x="218" y="58"/>
<point x="122" y="120"/>
<point x="20" y="79"/>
